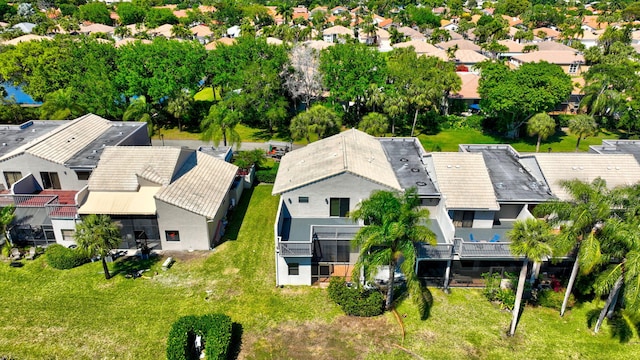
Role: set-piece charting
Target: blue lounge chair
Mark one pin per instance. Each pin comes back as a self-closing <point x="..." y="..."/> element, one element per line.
<point x="472" y="238"/>
<point x="495" y="238"/>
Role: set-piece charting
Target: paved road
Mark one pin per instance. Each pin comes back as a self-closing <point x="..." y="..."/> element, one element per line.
<point x="194" y="144"/>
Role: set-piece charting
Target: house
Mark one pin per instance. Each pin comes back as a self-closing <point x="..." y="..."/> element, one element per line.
<point x="46" y="165"/>
<point x="166" y="198"/>
<point x="96" y="28"/>
<point x="419" y="46"/>
<point x="222" y="41"/>
<point x="411" y="33"/>
<point x="461" y="44"/>
<point x="25" y="38"/>
<point x="234" y="31"/>
<point x="202" y="33"/>
<point x="25" y="27"/>
<point x="337" y="34"/>
<point x="571" y="62"/>
<point x="162" y="30"/>
<point x="468" y="90"/>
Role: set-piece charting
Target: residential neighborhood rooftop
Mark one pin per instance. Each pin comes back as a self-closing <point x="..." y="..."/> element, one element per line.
<point x="618" y="147"/>
<point x="15" y="136"/>
<point x="405" y="157"/>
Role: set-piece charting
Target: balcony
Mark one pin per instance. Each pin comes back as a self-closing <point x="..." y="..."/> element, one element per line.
<point x="437" y="252"/>
<point x="54" y="209"/>
<point x="483" y="249"/>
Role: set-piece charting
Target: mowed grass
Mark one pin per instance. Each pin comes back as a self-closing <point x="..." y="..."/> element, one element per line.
<point x="77" y="314"/>
<point x="561" y="141"/>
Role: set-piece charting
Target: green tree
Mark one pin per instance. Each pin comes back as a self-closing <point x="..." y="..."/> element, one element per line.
<point x="96" y="12"/>
<point x="582" y="126"/>
<point x="285" y="9"/>
<point x="98" y="235"/>
<point x="374" y="123"/>
<point x="130" y="13"/>
<point x="179" y="31"/>
<point x="319" y="120"/>
<point x="179" y="106"/>
<point x="531" y="239"/>
<point x="542" y="125"/>
<point x="394" y="225"/>
<point x="220" y="124"/>
<point x="7" y="214"/>
<point x="580" y="220"/>
<point x="159" y="16"/>
<point x="140" y="110"/>
<point x="61" y="105"/>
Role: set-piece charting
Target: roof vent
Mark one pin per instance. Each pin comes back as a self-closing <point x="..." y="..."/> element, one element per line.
<point x="4" y="144"/>
<point x="33" y="130"/>
<point x="120" y="133"/>
<point x="500" y="185"/>
<point x="91" y="157"/>
<point x="404" y="159"/>
<point x="415" y="170"/>
<point x="457" y="166"/>
<point x="94" y="151"/>
<point x="19" y="139"/>
<point x="421" y="183"/>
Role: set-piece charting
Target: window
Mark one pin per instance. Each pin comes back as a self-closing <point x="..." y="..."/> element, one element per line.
<point x="68" y="235"/>
<point x="294" y="269"/>
<point x="573" y="68"/>
<point x="50" y="180"/>
<point x="172" y="235"/>
<point x="338" y="207"/>
<point x="303" y="199"/>
<point x="83" y="175"/>
<point x="12" y="177"/>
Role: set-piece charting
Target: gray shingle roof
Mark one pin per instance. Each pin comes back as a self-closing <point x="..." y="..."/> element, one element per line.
<point x="203" y="187"/>
<point x="351" y="151"/>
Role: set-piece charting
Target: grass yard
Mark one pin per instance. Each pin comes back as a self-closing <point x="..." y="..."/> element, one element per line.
<point x="77" y="314"/>
<point x="561" y="141"/>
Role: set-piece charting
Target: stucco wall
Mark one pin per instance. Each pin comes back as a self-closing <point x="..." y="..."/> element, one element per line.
<point x="342" y="186"/>
<point x="27" y="164"/>
<point x="192" y="228"/>
<point x="483" y="219"/>
<point x="59" y="225"/>
<point x="304" y="277"/>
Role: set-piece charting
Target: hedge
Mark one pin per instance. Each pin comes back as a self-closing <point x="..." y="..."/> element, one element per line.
<point x="355" y="301"/>
<point x="268" y="175"/>
<point x="215" y="330"/>
<point x="64" y="258"/>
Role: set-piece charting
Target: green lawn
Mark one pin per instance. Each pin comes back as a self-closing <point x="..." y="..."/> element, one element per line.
<point x="561" y="141"/>
<point x="76" y="314"/>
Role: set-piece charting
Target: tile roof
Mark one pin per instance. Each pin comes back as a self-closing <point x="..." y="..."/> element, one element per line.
<point x="25" y="38"/>
<point x="203" y="188"/>
<point x="412" y="33"/>
<point x="96" y="28"/>
<point x="469" y="88"/>
<point x="127" y="41"/>
<point x="69" y="139"/>
<point x="462" y="45"/>
<point x="337" y="30"/>
<point x="553" y="57"/>
<point x="464" y="181"/>
<point x="549" y="32"/>
<point x="420" y="47"/>
<point x="552" y="46"/>
<point x="513" y="46"/>
<point x="120" y="168"/>
<point x="351" y="151"/>
<point x="201" y="30"/>
<point x="616" y="170"/>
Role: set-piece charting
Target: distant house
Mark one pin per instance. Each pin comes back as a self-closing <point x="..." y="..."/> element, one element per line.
<point x="571" y="62"/>
<point x="164" y="197"/>
<point x="337" y="34"/>
<point x="234" y="31"/>
<point x="25" y="27"/>
<point x="96" y="28"/>
<point x="411" y="33"/>
<point x="25" y="38"/>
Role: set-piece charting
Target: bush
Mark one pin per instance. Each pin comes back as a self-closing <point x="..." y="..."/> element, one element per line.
<point x="493" y="292"/>
<point x="214" y="329"/>
<point x="552" y="299"/>
<point x="268" y="175"/>
<point x="355" y="301"/>
<point x="62" y="258"/>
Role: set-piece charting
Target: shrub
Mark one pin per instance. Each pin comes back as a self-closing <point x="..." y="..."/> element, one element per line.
<point x="62" y="258"/>
<point x="552" y="299"/>
<point x="493" y="292"/>
<point x="355" y="301"/>
<point x="268" y="175"/>
<point x="215" y="330"/>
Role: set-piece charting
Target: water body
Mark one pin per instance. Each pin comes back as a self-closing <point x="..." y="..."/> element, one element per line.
<point x="21" y="97"/>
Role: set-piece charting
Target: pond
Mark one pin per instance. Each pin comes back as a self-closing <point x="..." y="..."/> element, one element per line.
<point x="21" y="97"/>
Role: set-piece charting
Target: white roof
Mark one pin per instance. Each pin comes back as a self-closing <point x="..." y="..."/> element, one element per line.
<point x="616" y="170"/>
<point x="203" y="188"/>
<point x="462" y="45"/>
<point x="352" y="151"/>
<point x="121" y="202"/>
<point x="560" y="57"/>
<point x="337" y="30"/>
<point x="463" y="180"/>
<point x="420" y="47"/>
<point x="25" y="38"/>
<point x="122" y="167"/>
<point x="96" y="28"/>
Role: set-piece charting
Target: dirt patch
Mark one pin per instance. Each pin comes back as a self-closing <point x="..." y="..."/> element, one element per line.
<point x="186" y="255"/>
<point x="230" y="271"/>
<point x="346" y="338"/>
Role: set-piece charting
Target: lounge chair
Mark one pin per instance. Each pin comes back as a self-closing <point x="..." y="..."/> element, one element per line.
<point x="473" y="239"/>
<point x="32" y="253"/>
<point x="15" y="254"/>
<point x="495" y="238"/>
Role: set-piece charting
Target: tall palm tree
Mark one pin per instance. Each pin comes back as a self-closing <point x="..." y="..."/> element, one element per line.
<point x="98" y="235"/>
<point x="542" y="125"/>
<point x="179" y="106"/>
<point x="529" y="238"/>
<point x="580" y="220"/>
<point x="7" y="214"/>
<point x="220" y="124"/>
<point x="285" y="9"/>
<point x="140" y="110"/>
<point x="582" y="126"/>
<point x="395" y="223"/>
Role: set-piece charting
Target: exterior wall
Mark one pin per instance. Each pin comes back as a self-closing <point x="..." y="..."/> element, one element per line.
<point x="304" y="277"/>
<point x="29" y="164"/>
<point x="193" y="229"/>
<point x="140" y="137"/>
<point x="27" y="185"/>
<point x="483" y="219"/>
<point x="59" y="225"/>
<point x="509" y="211"/>
<point x="445" y="222"/>
<point x="342" y="186"/>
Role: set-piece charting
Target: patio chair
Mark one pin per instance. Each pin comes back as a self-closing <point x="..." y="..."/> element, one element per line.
<point x="32" y="253"/>
<point x="473" y="239"/>
<point x="495" y="238"/>
<point x="15" y="254"/>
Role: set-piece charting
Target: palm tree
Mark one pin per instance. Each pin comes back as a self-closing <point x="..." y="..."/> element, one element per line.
<point x="140" y="110"/>
<point x="181" y="32"/>
<point x="220" y="124"/>
<point x="374" y="123"/>
<point x="180" y="105"/>
<point x="61" y="105"/>
<point x="529" y="238"/>
<point x="580" y="221"/>
<point x="98" y="235"/>
<point x="319" y="120"/>
<point x="7" y="214"/>
<point x="582" y="126"/>
<point x="542" y="125"/>
<point x="122" y="32"/>
<point x="285" y="9"/>
<point x="394" y="225"/>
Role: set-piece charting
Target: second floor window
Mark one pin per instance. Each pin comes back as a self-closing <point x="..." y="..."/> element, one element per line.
<point x="338" y="207"/>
